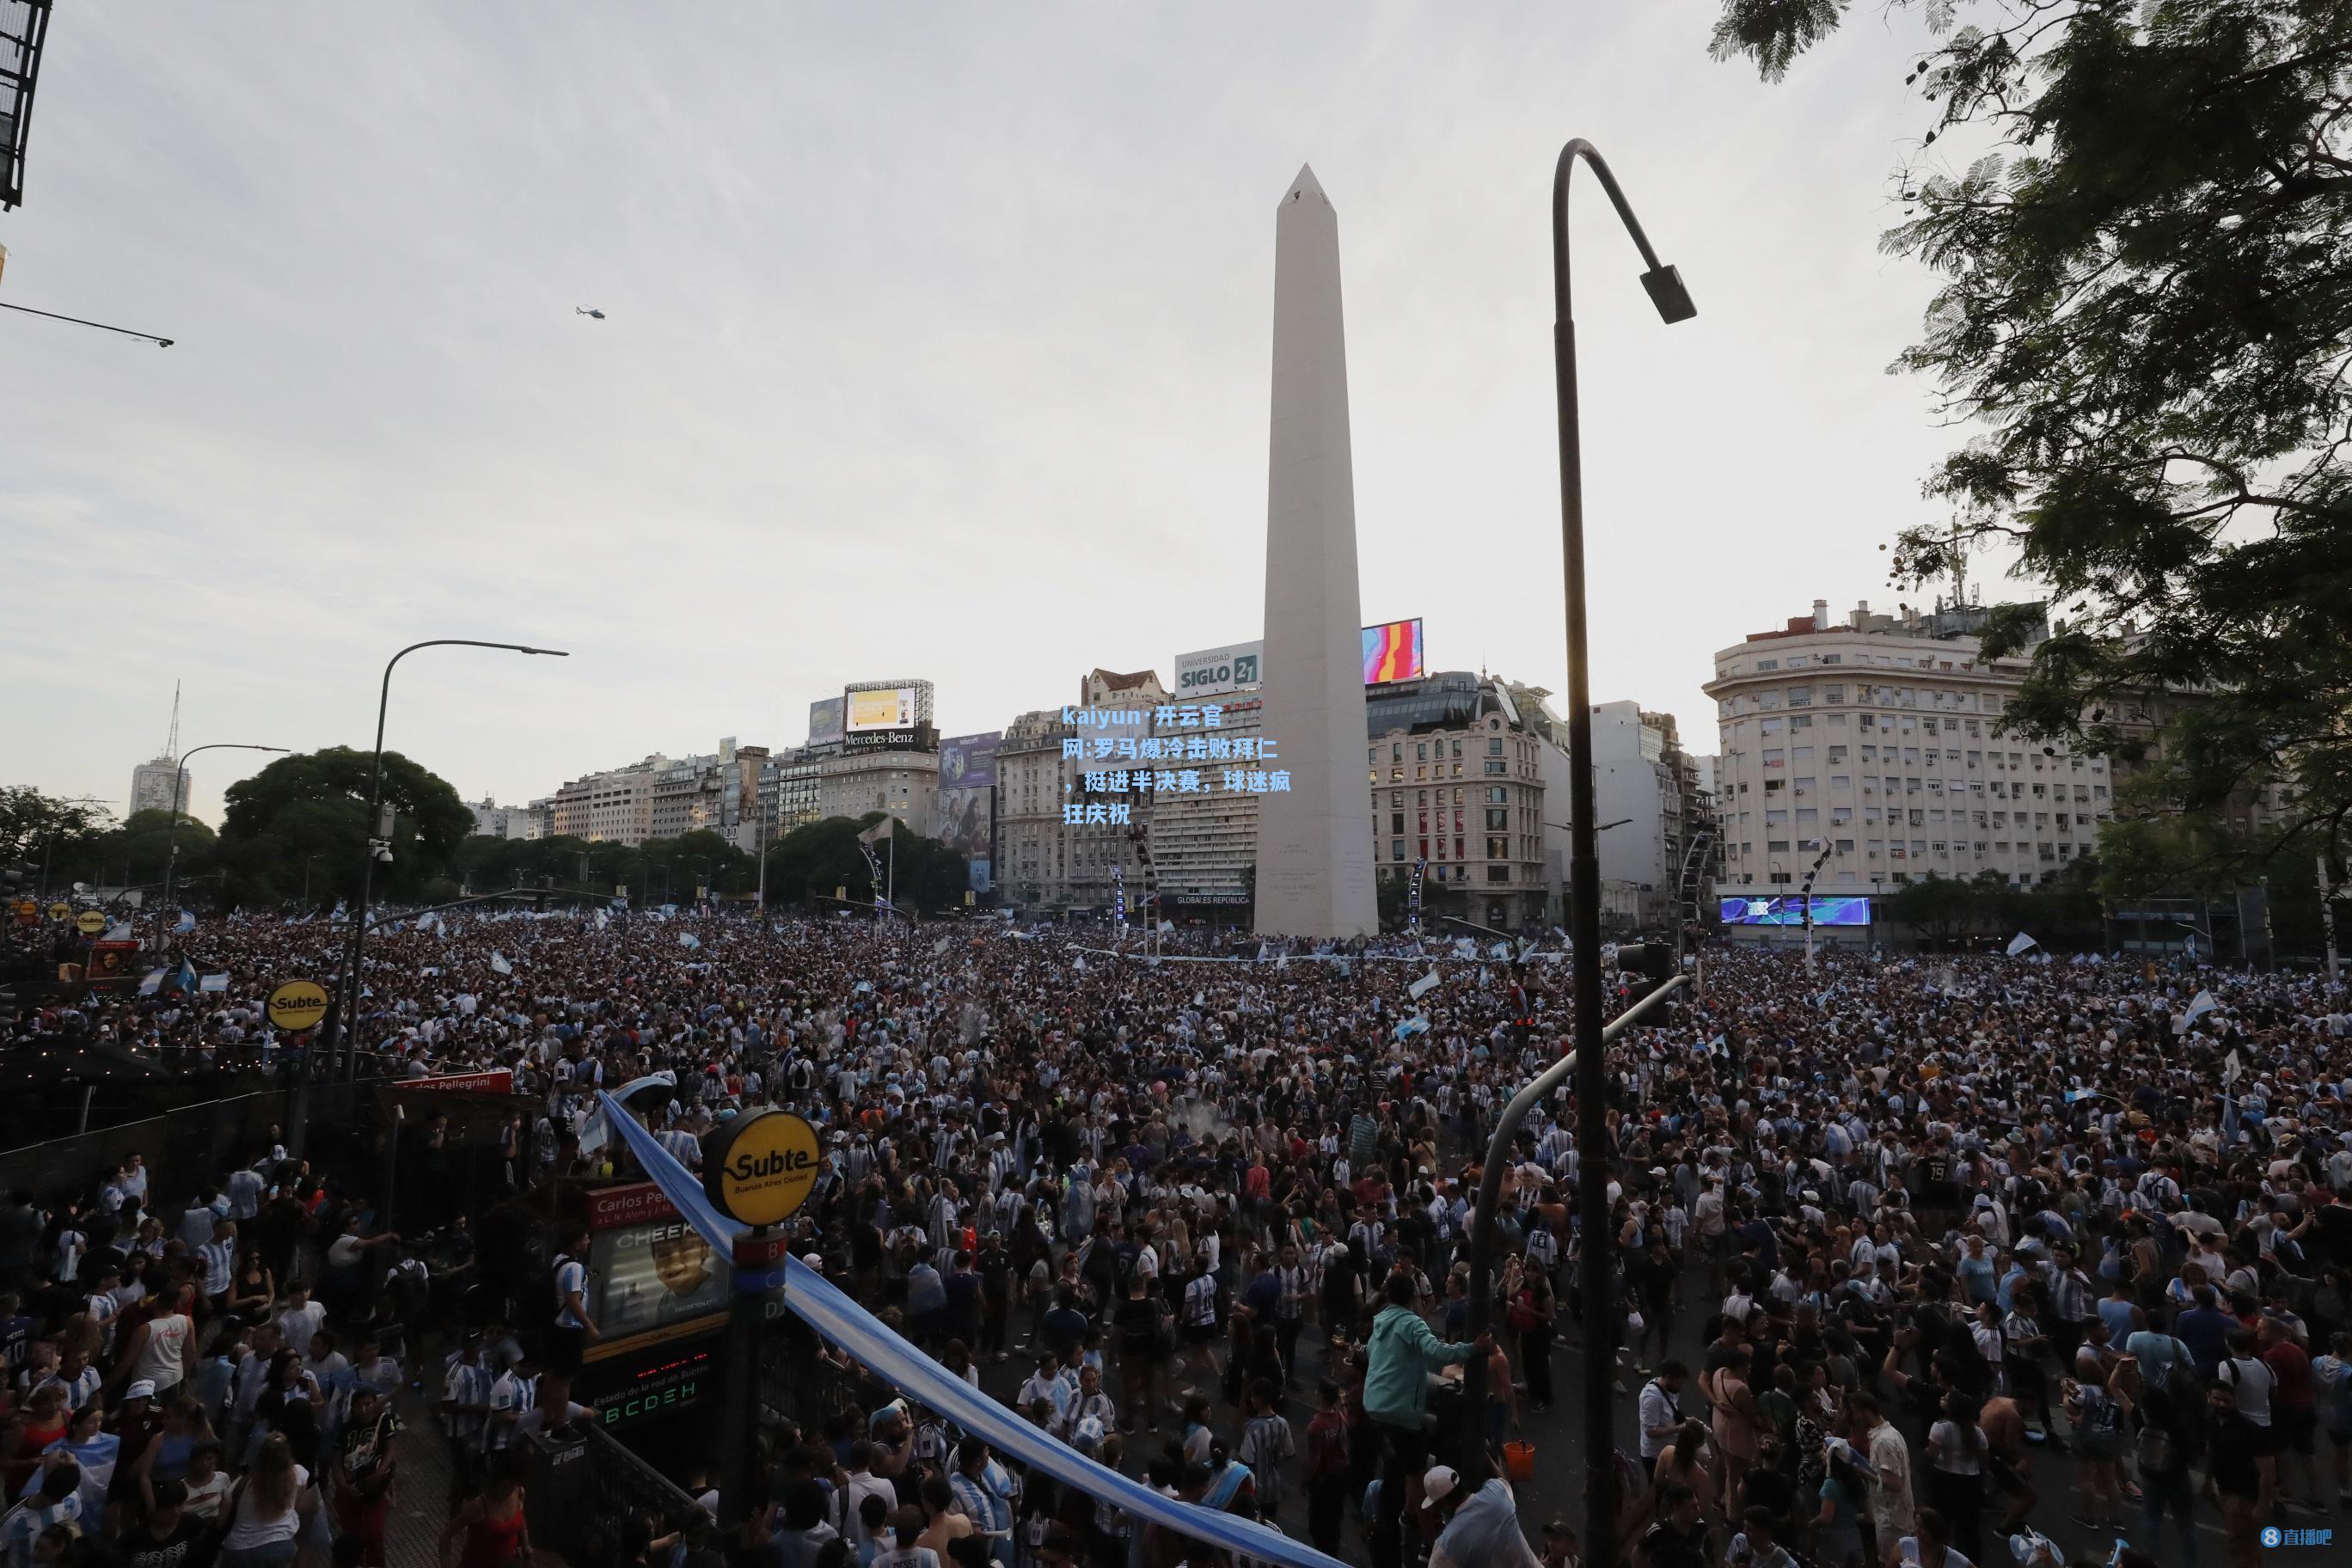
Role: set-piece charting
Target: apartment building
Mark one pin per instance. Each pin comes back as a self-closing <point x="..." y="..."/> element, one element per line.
<point x="1880" y="740"/>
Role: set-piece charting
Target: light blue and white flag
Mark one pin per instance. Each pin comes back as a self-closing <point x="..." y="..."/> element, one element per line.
<point x="187" y="921"/>
<point x="151" y="983"/>
<point x="215" y="982"/>
<point x="688" y="939"/>
<point x="597" y="1130"/>
<point x="1423" y="986"/>
<point x="2020" y="942"/>
<point x="2200" y="1004"/>
<point x="499" y="964"/>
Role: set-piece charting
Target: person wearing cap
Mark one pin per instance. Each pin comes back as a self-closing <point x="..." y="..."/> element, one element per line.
<point x="1475" y="1529"/>
<point x="1560" y="1546"/>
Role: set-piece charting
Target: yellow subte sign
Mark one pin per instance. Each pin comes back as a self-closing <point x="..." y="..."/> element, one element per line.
<point x="758" y="1170"/>
<point x="297" y="1005"/>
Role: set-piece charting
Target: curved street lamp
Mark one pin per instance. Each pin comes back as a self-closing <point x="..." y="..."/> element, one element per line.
<point x="1673" y="301"/>
<point x="379" y="840"/>
<point x="179" y="766"/>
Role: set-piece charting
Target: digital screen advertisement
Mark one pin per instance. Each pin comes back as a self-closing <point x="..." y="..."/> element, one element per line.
<point x="824" y="722"/>
<point x="1393" y="652"/>
<point x="892" y="707"/>
<point x="1829" y="909"/>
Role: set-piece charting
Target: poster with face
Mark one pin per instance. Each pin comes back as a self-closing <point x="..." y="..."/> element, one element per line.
<point x="648" y="1269"/>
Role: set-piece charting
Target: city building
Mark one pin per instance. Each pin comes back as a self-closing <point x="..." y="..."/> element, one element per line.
<point x="790" y="789"/>
<point x="615" y="806"/>
<point x="492" y="820"/>
<point x="1045" y="862"/>
<point x="1457" y="781"/>
<point x="906" y="784"/>
<point x="1644" y="786"/>
<point x="1203" y="844"/>
<point x="150" y="786"/>
<point x="1880" y="740"/>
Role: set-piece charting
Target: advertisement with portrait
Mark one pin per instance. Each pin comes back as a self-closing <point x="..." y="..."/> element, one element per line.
<point x="967" y="800"/>
<point x="651" y="1278"/>
<point x="825" y="722"/>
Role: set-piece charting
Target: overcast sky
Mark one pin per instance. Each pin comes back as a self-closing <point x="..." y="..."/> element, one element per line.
<point x="936" y="344"/>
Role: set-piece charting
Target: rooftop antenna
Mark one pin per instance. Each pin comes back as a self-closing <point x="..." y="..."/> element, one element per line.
<point x="1960" y="571"/>
<point x="172" y="741"/>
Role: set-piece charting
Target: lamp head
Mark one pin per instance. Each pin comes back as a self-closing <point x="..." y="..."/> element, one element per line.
<point x="1667" y="293"/>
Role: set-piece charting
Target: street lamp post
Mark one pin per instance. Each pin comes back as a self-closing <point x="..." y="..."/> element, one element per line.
<point x="379" y="840"/>
<point x="171" y="856"/>
<point x="1597" y="1258"/>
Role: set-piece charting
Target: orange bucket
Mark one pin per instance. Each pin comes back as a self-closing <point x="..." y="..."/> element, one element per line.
<point x="1519" y="1462"/>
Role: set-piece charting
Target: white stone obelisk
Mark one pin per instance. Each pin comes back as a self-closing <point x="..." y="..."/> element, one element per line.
<point x="1315" y="841"/>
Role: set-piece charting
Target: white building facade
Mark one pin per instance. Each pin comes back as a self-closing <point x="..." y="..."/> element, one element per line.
<point x="1881" y="740"/>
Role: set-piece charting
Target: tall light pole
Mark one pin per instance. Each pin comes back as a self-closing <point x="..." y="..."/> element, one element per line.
<point x="379" y="840"/>
<point x="1597" y="1258"/>
<point x="179" y="767"/>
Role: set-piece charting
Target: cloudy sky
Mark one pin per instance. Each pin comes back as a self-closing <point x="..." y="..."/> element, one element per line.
<point x="936" y="344"/>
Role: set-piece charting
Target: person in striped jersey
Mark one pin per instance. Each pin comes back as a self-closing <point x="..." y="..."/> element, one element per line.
<point x="219" y="1258"/>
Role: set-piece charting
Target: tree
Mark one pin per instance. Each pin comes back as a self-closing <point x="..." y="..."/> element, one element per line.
<point x="32" y="824"/>
<point x="1943" y="908"/>
<point x="815" y="857"/>
<point x="313" y="807"/>
<point x="142" y="847"/>
<point x="2146" y="305"/>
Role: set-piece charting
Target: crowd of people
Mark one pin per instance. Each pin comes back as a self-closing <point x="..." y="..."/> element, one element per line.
<point x="1894" y="1233"/>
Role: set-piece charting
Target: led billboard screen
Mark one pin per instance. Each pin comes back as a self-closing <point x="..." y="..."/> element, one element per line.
<point x="1393" y="652"/>
<point x="824" y="722"/>
<point x="892" y="707"/>
<point x="1829" y="909"/>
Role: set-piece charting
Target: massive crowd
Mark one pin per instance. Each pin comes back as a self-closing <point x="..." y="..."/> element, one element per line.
<point x="1892" y="1233"/>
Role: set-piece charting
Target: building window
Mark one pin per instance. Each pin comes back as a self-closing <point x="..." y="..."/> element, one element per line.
<point x="1396" y="848"/>
<point x="1499" y="848"/>
<point x="1496" y="769"/>
<point x="1494" y="746"/>
<point x="1497" y="818"/>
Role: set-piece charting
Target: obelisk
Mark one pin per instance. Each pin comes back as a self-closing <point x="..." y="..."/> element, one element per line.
<point x="1313" y="840"/>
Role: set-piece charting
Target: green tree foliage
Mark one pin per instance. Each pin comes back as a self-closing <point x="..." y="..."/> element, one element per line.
<point x="32" y="824"/>
<point x="137" y="851"/>
<point x="2146" y="313"/>
<point x="313" y="807"/>
<point x="808" y="863"/>
<point x="1951" y="912"/>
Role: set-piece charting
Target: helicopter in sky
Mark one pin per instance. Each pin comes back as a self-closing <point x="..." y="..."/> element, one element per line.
<point x="587" y="310"/>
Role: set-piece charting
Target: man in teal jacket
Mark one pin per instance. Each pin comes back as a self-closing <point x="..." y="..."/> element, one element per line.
<point x="1404" y="1352"/>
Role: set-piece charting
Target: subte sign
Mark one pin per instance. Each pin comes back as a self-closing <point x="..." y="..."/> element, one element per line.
<point x="759" y="1168"/>
<point x="297" y="1005"/>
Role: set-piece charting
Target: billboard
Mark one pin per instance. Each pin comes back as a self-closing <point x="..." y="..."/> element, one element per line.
<point x="1393" y="652"/>
<point x="1217" y="669"/>
<point x="651" y="1276"/>
<point x="966" y="801"/>
<point x="824" y="722"/>
<point x="892" y="707"/>
<point x="969" y="762"/>
<point x="1829" y="909"/>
